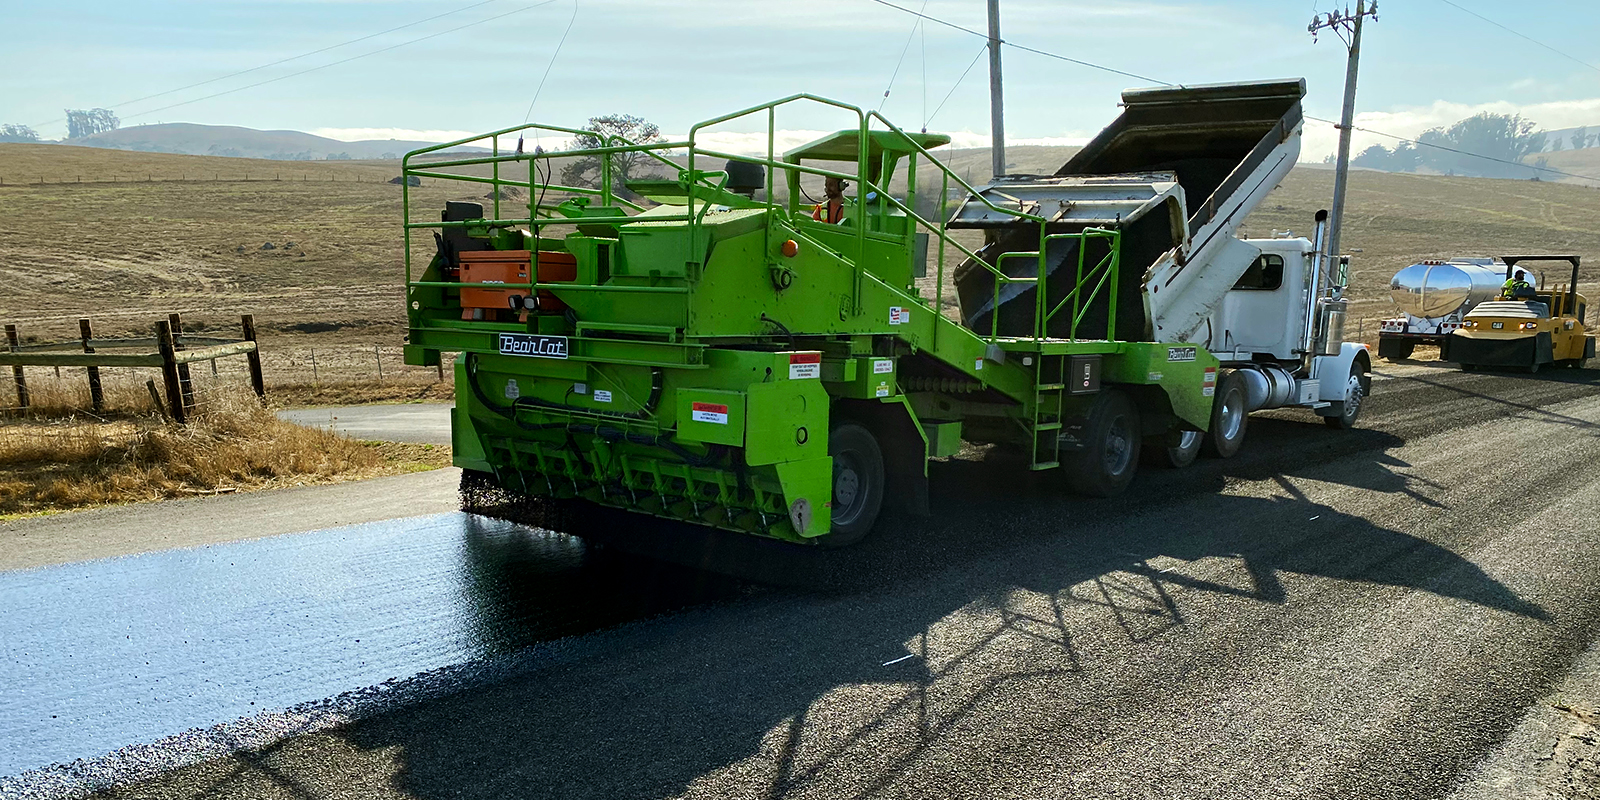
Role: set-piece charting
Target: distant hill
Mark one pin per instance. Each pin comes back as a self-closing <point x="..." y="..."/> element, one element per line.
<point x="227" y="140"/>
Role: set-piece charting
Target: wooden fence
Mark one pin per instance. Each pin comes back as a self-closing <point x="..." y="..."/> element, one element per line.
<point x="173" y="355"/>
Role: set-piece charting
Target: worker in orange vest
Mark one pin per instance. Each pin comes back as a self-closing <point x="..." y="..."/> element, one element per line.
<point x="831" y="209"/>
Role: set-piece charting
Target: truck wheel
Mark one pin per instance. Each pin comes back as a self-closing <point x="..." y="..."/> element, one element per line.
<point x="1398" y="350"/>
<point x="1110" y="455"/>
<point x="857" y="483"/>
<point x="1229" y="417"/>
<point x="1174" y="449"/>
<point x="1350" y="407"/>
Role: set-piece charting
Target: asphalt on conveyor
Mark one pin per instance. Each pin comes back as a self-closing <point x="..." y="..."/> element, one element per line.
<point x="1330" y="614"/>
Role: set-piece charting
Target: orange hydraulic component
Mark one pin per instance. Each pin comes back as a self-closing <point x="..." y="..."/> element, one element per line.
<point x="510" y="267"/>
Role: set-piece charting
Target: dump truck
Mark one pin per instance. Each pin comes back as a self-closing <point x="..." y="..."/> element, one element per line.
<point x="1433" y="297"/>
<point x="1528" y="329"/>
<point x="703" y="347"/>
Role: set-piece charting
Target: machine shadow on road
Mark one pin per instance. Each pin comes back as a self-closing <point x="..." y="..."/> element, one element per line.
<point x="1002" y="594"/>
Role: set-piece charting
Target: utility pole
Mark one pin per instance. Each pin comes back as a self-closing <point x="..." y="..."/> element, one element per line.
<point x="1347" y="27"/>
<point x="997" y="116"/>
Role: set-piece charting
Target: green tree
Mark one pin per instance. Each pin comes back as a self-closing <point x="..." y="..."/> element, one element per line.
<point x="1580" y="137"/>
<point x="18" y="133"/>
<point x="1506" y="137"/>
<point x="585" y="171"/>
<point x="81" y="123"/>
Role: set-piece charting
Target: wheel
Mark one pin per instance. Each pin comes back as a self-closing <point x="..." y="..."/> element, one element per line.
<point x="1229" y="417"/>
<point x="1578" y="363"/>
<point x="1110" y="454"/>
<point x="858" y="484"/>
<point x="1174" y="449"/>
<point x="1350" y="407"/>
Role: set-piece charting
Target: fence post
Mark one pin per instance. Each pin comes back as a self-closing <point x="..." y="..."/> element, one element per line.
<point x="184" y="383"/>
<point x="16" y="372"/>
<point x="96" y="395"/>
<point x="378" y="357"/>
<point x="314" y="380"/>
<point x="169" y="371"/>
<point x="155" y="397"/>
<point x="440" y="367"/>
<point x="248" y="322"/>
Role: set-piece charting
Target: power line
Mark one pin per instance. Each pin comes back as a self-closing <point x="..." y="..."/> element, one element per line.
<point x="342" y="61"/>
<point x="1047" y="54"/>
<point x="302" y="55"/>
<point x="957" y="85"/>
<point x="902" y="60"/>
<point x="1521" y="35"/>
<point x="552" y="64"/>
<point x="1460" y="152"/>
<point x="1035" y="51"/>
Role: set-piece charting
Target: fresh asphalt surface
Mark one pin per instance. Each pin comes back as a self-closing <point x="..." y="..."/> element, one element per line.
<point x="1375" y="613"/>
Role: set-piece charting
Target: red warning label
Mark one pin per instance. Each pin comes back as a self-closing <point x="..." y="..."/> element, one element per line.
<point x="709" y="412"/>
<point x="805" y="365"/>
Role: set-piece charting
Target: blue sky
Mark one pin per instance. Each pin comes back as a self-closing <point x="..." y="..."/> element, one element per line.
<point x="677" y="61"/>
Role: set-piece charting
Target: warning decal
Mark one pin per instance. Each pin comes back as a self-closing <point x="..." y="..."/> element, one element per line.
<point x="1209" y="385"/>
<point x="602" y="396"/>
<point x="709" y="412"/>
<point x="805" y="365"/>
<point x="899" y="315"/>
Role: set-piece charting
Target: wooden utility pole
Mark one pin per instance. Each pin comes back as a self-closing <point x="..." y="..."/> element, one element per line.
<point x="1347" y="27"/>
<point x="997" y="115"/>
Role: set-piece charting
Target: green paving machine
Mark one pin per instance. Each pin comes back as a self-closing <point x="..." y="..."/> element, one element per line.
<point x="708" y="344"/>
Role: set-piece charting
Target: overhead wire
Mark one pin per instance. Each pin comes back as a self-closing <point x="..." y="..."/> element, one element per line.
<point x="903" y="50"/>
<point x="552" y="63"/>
<point x="343" y="61"/>
<point x="297" y="57"/>
<point x="1520" y="34"/>
<point x="1104" y="68"/>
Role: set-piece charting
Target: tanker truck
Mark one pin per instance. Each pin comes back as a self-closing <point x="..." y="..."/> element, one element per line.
<point x="703" y="347"/>
<point x="1433" y="296"/>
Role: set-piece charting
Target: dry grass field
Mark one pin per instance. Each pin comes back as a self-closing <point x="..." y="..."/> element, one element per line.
<point x="187" y="236"/>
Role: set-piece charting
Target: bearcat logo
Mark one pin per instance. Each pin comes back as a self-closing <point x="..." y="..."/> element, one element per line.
<point x="522" y="344"/>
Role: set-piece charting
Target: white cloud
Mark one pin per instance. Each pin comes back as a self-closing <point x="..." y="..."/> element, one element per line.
<point x="1322" y="139"/>
<point x="404" y="134"/>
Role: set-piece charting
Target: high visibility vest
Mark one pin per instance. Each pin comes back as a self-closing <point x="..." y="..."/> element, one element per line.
<point x="827" y="212"/>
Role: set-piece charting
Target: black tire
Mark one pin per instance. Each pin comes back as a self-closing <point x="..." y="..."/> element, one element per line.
<point x="1531" y="368"/>
<point x="1110" y="455"/>
<point x="1350" y="407"/>
<point x="1398" y="351"/>
<point x="858" y="484"/>
<point x="1175" y="449"/>
<point x="1230" y="417"/>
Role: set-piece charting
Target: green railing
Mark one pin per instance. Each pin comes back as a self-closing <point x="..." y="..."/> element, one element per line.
<point x="712" y="183"/>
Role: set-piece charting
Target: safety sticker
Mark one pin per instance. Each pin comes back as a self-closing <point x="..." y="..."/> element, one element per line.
<point x="899" y="315"/>
<point x="1180" y="353"/>
<point x="602" y="396"/>
<point x="1152" y="377"/>
<point x="883" y="389"/>
<point x="513" y="391"/>
<point x="978" y="365"/>
<point x="882" y="367"/>
<point x="805" y="365"/>
<point x="709" y="412"/>
<point x="1209" y="384"/>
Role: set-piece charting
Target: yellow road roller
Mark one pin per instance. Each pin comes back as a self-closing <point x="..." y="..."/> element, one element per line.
<point x="1525" y="327"/>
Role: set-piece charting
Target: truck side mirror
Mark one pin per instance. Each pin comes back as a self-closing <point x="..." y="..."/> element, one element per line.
<point x="1343" y="278"/>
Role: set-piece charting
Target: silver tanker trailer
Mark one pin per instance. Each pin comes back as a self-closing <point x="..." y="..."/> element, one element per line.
<point x="1432" y="297"/>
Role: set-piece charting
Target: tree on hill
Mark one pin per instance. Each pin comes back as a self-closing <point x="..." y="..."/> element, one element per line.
<point x="1507" y="137"/>
<point x="81" y="123"/>
<point x="18" y="133"/>
<point x="624" y="166"/>
<point x="1580" y="138"/>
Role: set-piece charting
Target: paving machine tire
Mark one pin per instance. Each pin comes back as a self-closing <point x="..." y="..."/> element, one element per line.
<point x="1230" y="416"/>
<point x="858" y="484"/>
<point x="1175" y="449"/>
<point x="1110" y="455"/>
<point x="1350" y="407"/>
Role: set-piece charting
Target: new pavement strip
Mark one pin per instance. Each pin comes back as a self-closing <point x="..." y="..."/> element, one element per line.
<point x="1408" y="610"/>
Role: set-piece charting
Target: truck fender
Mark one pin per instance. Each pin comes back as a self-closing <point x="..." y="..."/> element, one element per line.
<point x="1331" y="372"/>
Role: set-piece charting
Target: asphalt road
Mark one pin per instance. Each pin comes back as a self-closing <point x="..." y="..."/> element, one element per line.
<point x="1386" y="613"/>
<point x="424" y="423"/>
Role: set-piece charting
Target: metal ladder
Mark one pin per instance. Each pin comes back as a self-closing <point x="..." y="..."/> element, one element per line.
<point x="1044" y="420"/>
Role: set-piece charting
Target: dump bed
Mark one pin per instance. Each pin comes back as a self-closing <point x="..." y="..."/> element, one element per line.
<point x="1203" y="157"/>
